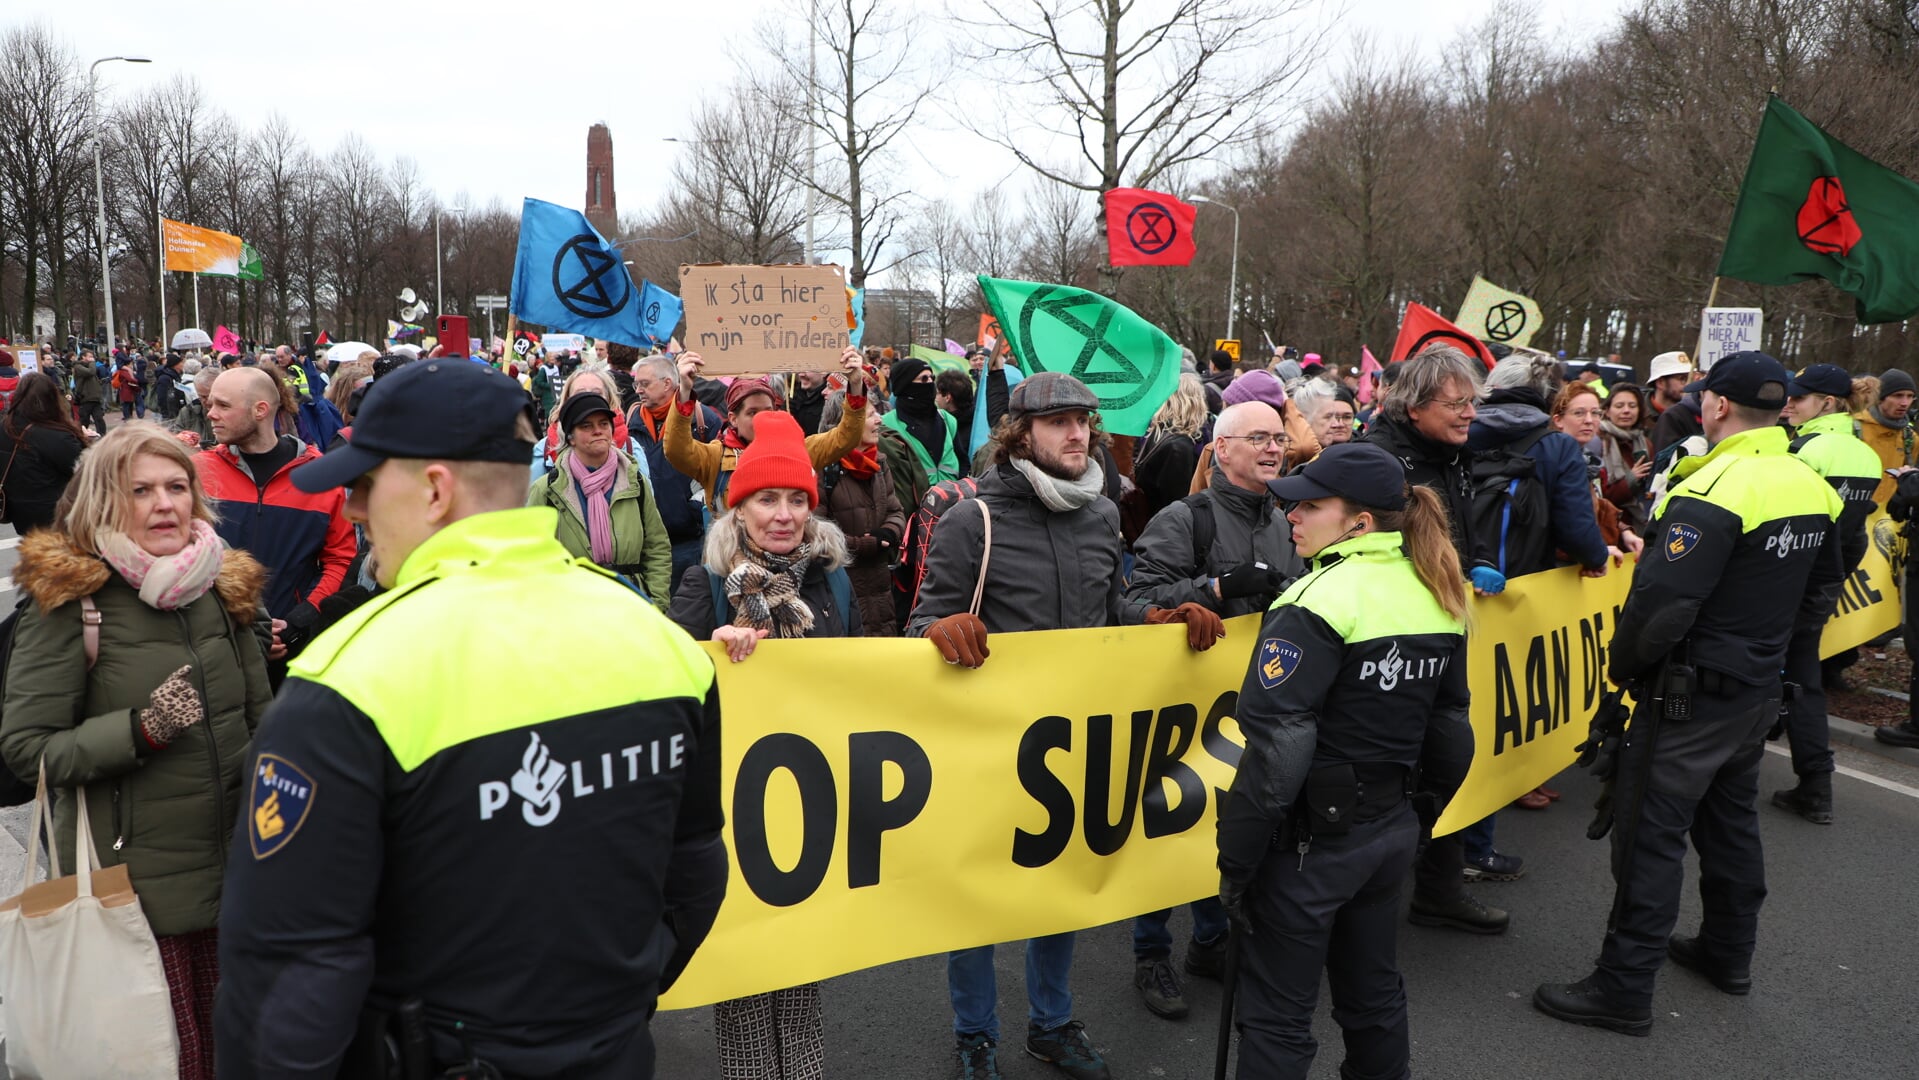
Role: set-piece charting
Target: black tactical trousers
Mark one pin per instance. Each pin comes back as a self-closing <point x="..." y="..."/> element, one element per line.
<point x="1701" y="778"/>
<point x="1336" y="910"/>
<point x="1807" y="731"/>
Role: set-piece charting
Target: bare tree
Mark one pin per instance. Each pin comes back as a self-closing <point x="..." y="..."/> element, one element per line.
<point x="867" y="95"/>
<point x="735" y="184"/>
<point x="995" y="235"/>
<point x="1061" y="244"/>
<point x="43" y="128"/>
<point x="1138" y="91"/>
<point x="938" y="238"/>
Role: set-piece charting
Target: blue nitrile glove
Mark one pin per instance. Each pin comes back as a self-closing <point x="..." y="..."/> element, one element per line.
<point x="1488" y="580"/>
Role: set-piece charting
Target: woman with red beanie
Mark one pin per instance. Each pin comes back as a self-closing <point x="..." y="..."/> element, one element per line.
<point x="771" y="569"/>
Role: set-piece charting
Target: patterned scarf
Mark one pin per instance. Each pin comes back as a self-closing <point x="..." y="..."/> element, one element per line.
<point x="595" y="484"/>
<point x="167" y="582"/>
<point x="863" y="463"/>
<point x="765" y="588"/>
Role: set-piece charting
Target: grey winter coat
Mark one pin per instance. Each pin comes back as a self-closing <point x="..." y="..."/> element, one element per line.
<point x="1247" y="527"/>
<point x="1048" y="570"/>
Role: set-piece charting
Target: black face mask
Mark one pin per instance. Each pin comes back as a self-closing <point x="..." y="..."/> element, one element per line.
<point x="919" y="395"/>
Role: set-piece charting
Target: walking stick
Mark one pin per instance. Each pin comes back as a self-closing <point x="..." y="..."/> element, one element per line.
<point x="1229" y="985"/>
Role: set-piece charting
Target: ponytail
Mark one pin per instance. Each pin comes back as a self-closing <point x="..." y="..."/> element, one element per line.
<point x="1429" y="543"/>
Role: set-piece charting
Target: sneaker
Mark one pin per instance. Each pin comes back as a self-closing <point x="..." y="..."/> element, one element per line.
<point x="1688" y="953"/>
<point x="1494" y="867"/>
<point x="1067" y="1047"/>
<point x="1585" y="1003"/>
<point x="1159" y="987"/>
<point x="1905" y="734"/>
<point x="1464" y="913"/>
<point x="1208" y="961"/>
<point x="977" y="1058"/>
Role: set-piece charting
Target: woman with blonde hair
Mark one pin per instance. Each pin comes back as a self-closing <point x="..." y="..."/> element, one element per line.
<point x="1349" y="702"/>
<point x="1167" y="454"/>
<point x="150" y="720"/>
<point x="773" y="568"/>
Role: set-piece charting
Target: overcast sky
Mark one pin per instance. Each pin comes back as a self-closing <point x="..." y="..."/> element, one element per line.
<point x="495" y="99"/>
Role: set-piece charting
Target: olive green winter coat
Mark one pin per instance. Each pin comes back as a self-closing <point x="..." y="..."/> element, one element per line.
<point x="168" y="813"/>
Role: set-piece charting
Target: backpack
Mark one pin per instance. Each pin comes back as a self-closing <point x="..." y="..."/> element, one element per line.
<point x="836" y="580"/>
<point x="939" y="498"/>
<point x="1205" y="527"/>
<point x="1510" y="510"/>
<point x="13" y="790"/>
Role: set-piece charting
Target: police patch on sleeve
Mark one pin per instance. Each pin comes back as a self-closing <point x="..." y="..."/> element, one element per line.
<point x="1681" y="538"/>
<point x="1278" y="659"/>
<point x="282" y="796"/>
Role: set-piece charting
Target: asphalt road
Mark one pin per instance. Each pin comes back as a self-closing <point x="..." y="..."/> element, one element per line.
<point x="1834" y="980"/>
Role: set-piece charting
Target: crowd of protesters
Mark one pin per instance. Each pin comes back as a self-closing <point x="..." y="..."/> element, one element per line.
<point x="879" y="499"/>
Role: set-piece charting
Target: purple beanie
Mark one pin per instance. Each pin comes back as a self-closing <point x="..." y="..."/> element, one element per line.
<point x="1257" y="385"/>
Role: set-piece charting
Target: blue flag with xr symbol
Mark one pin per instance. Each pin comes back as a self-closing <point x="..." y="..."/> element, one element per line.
<point x="566" y="277"/>
<point x="659" y="313"/>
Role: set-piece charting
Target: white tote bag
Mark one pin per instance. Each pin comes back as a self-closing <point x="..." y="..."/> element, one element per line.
<point x="82" y="990"/>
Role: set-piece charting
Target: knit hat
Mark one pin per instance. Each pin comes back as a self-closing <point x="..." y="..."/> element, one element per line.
<point x="776" y="458"/>
<point x="746" y="388"/>
<point x="1257" y="385"/>
<point x="6" y="358"/>
<point x="1287" y="370"/>
<point x="1894" y="381"/>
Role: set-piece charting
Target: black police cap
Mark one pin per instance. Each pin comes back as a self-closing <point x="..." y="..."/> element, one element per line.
<point x="1361" y="473"/>
<point x="443" y="410"/>
<point x="1821" y="379"/>
<point x="1752" y="379"/>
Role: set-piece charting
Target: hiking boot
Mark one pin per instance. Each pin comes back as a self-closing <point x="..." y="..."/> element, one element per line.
<point x="1688" y="953"/>
<point x="1068" y="1048"/>
<point x="1903" y="734"/>
<point x="1159" y="987"/>
<point x="1464" y="913"/>
<point x="1208" y="961"/>
<point x="1811" y="800"/>
<point x="1584" y="1003"/>
<point x="977" y="1059"/>
<point x="1494" y="867"/>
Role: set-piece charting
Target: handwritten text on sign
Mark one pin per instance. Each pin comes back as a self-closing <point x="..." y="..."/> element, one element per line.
<point x="750" y="319"/>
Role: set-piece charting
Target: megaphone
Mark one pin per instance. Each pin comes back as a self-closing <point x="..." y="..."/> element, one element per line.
<point x="411" y="314"/>
<point x="406" y="296"/>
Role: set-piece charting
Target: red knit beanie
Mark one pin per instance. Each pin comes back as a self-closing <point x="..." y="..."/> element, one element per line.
<point x="776" y="458"/>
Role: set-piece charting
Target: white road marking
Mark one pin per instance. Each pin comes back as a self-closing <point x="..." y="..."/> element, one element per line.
<point x="9" y="542"/>
<point x="1877" y="781"/>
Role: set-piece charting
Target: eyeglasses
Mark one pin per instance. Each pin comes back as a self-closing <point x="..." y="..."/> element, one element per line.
<point x="1259" y="440"/>
<point x="1584" y="414"/>
<point x="1337" y="417"/>
<point x="1455" y="406"/>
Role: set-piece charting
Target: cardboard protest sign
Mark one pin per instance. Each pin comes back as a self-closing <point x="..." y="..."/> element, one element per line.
<point x="749" y="319"/>
<point x="1724" y="331"/>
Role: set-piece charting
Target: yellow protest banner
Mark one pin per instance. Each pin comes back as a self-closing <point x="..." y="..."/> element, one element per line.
<point x="1070" y="782"/>
<point x="206" y="251"/>
<point x="1869" y="600"/>
<point x="1491" y="313"/>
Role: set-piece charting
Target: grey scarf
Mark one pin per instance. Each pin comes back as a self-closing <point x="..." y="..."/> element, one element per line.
<point x="1059" y="495"/>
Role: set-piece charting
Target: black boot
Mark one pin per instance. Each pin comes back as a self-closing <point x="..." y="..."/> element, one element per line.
<point x="1690" y="954"/>
<point x="1811" y="800"/>
<point x="1906" y="734"/>
<point x="1585" y="1003"/>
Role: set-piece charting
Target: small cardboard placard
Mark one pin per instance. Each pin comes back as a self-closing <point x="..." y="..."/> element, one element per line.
<point x="745" y="320"/>
<point x="1724" y="331"/>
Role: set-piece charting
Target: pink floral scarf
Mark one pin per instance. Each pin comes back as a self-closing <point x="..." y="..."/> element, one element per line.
<point x="171" y="581"/>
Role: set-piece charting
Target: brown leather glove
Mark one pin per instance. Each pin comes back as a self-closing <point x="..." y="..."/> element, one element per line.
<point x="1203" y="626"/>
<point x="961" y="639"/>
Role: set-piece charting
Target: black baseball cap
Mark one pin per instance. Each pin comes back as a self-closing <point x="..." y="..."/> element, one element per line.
<point x="445" y="409"/>
<point x="1752" y="379"/>
<point x="1821" y="379"/>
<point x="579" y="407"/>
<point x="1358" y="472"/>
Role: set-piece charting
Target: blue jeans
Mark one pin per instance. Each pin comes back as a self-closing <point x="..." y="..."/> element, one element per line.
<point x="975" y="990"/>
<point x="1151" y="941"/>
<point x="1479" y="837"/>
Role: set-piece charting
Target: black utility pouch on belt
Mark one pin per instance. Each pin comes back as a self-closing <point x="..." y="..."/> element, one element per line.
<point x="1331" y="795"/>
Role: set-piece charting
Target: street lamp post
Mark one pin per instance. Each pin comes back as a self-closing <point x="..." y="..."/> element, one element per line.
<point x="1232" y="278"/>
<point x="100" y="187"/>
<point x="439" y="292"/>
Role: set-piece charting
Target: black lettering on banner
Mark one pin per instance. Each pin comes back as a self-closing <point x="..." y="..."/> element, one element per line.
<point x="1033" y="850"/>
<point x="1505" y="701"/>
<point x="1214" y="741"/>
<point x="1172" y="737"/>
<point x="1858" y="593"/>
<point x="1562" y="640"/>
<point x="1104" y="837"/>
<point x="869" y="813"/>
<point x="819" y="818"/>
<point x="1539" y="706"/>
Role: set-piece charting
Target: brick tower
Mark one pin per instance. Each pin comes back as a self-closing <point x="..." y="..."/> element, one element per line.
<point x="600" y="208"/>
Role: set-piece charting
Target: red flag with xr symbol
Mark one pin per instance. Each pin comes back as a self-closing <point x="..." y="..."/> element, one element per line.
<point x="1148" y="228"/>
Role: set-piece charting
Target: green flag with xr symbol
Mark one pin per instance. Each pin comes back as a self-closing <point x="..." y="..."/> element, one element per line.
<point x="1130" y="364"/>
